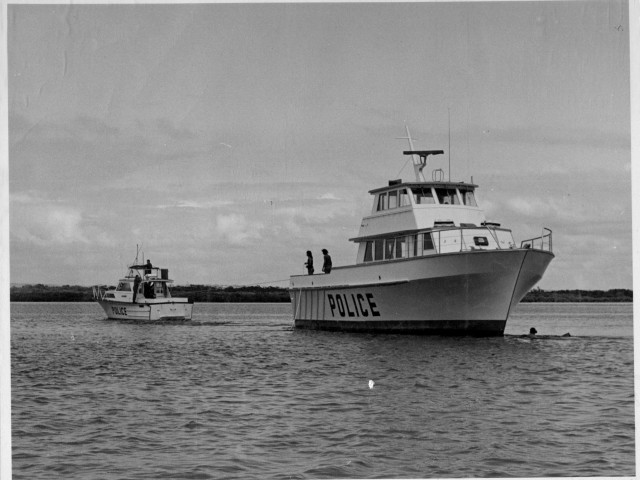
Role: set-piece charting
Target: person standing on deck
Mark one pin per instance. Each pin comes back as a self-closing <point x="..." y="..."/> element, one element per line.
<point x="309" y="263"/>
<point x="136" y="284"/>
<point x="326" y="266"/>
<point x="147" y="288"/>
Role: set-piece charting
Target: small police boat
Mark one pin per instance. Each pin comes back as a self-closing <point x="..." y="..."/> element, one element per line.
<point x="143" y="295"/>
<point x="428" y="262"/>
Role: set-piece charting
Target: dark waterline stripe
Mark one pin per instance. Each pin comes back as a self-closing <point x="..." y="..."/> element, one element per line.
<point x="479" y="328"/>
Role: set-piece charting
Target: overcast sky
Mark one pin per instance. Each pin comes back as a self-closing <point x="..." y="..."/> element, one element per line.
<point x="227" y="140"/>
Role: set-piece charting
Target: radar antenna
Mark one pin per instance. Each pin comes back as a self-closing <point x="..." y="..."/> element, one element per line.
<point x="419" y="156"/>
<point x="418" y="164"/>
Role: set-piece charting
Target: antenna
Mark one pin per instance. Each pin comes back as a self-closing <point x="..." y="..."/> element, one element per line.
<point x="449" y="115"/>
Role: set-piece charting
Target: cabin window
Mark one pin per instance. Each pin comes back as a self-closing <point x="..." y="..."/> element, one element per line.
<point x="379" y="249"/>
<point x="442" y="195"/>
<point x="393" y="199"/>
<point x="468" y="198"/>
<point x="368" y="252"/>
<point x="124" y="287"/>
<point x="382" y="202"/>
<point x="404" y="198"/>
<point x="388" y="250"/>
<point x="423" y="196"/>
<point x="428" y="242"/>
<point x="414" y="240"/>
<point x="447" y="196"/>
<point x="481" y="241"/>
<point x="401" y="247"/>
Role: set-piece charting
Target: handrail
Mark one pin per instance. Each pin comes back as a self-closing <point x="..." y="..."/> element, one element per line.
<point x="533" y="242"/>
<point x="98" y="292"/>
<point x="493" y="235"/>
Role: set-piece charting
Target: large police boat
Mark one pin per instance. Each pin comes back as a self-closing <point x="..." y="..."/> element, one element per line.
<point x="143" y="295"/>
<point x="428" y="262"/>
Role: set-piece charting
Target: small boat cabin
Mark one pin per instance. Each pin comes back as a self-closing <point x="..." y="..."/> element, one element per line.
<point x="150" y="283"/>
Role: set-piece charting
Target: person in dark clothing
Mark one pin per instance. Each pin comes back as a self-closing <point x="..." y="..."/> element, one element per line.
<point x="136" y="284"/>
<point x="326" y="266"/>
<point x="148" y="290"/>
<point x="148" y="267"/>
<point x="309" y="263"/>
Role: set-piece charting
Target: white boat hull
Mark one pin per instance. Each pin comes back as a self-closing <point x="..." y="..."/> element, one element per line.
<point x="147" y="311"/>
<point x="466" y="293"/>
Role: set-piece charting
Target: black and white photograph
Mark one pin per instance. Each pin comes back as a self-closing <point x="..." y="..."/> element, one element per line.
<point x="314" y="240"/>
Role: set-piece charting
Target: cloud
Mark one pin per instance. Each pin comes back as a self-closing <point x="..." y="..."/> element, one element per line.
<point x="236" y="229"/>
<point x="305" y="219"/>
<point x="47" y="224"/>
<point x="38" y="221"/>
<point x="328" y="196"/>
<point x="572" y="137"/>
<point x="532" y="207"/>
<point x="168" y="129"/>
<point x="194" y="204"/>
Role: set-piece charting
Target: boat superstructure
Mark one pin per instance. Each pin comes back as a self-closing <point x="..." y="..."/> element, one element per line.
<point x="143" y="294"/>
<point x="428" y="262"/>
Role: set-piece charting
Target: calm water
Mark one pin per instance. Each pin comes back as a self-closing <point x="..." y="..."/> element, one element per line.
<point x="238" y="394"/>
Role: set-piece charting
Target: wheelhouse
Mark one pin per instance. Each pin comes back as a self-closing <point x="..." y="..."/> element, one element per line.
<point x="152" y="283"/>
<point x="398" y="195"/>
<point x="420" y="218"/>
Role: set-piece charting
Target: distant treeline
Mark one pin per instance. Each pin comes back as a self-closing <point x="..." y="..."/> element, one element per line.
<point x="207" y="293"/>
<point x="247" y="294"/>
<point x="198" y="293"/>
<point x="614" y="295"/>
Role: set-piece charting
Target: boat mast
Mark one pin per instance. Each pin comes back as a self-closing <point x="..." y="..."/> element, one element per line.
<point x="449" y="112"/>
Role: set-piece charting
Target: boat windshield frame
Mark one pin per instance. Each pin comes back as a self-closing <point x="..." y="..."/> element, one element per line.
<point x="462" y="185"/>
<point x="437" y="194"/>
<point x="154" y="274"/>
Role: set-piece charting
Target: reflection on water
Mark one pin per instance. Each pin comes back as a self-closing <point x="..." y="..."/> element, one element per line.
<point x="237" y="393"/>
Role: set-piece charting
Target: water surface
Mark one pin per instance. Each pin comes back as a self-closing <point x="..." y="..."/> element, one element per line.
<point x="237" y="393"/>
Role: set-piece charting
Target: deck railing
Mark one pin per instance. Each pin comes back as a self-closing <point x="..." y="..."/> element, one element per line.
<point x="445" y="241"/>
<point x="543" y="242"/>
<point x="100" y="291"/>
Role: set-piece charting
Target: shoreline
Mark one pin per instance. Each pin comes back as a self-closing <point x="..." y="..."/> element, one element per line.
<point x="257" y="294"/>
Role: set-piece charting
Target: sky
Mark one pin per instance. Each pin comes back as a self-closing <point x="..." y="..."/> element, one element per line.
<point x="225" y="140"/>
